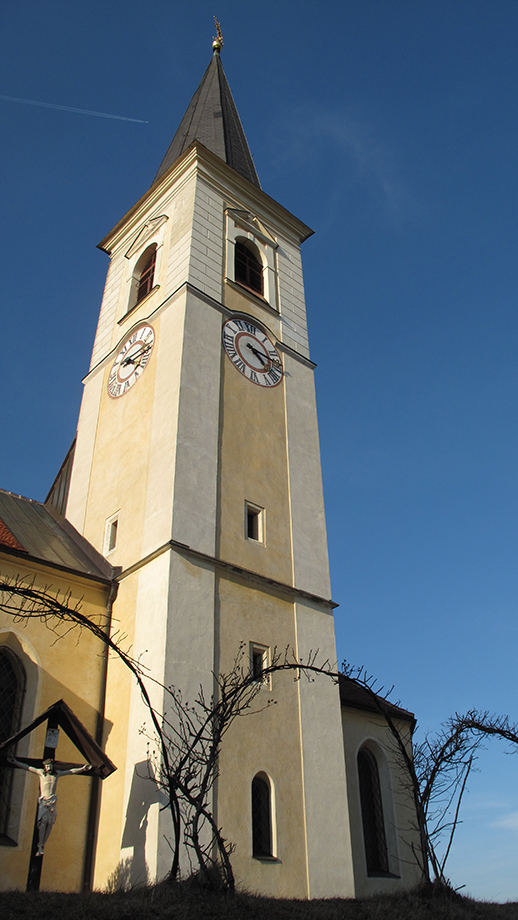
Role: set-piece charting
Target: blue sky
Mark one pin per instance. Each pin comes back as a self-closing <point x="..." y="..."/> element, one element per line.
<point x="390" y="127"/>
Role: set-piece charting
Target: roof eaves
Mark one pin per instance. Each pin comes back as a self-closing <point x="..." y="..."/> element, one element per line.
<point x="56" y="566"/>
<point x="106" y="570"/>
<point x="354" y="695"/>
<point x="45" y="537"/>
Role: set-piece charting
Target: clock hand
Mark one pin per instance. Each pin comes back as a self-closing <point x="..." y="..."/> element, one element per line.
<point x="273" y="361"/>
<point x="257" y="354"/>
<point x="138" y="357"/>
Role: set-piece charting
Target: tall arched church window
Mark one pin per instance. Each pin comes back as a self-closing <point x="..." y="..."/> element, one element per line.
<point x="261" y="816"/>
<point x="372" y="813"/>
<point x="146" y="272"/>
<point x="248" y="268"/>
<point x="12" y="689"/>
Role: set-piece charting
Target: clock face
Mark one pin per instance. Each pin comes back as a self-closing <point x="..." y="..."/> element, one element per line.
<point x="130" y="362"/>
<point x="251" y="351"/>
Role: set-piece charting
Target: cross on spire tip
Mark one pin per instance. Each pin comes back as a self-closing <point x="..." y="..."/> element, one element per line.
<point x="217" y="43"/>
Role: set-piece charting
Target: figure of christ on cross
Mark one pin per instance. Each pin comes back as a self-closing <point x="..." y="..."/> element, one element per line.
<point x="48" y="776"/>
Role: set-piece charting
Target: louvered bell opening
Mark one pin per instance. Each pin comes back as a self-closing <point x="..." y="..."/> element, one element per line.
<point x="248" y="269"/>
<point x="146" y="279"/>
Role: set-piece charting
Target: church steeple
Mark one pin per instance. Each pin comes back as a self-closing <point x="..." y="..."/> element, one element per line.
<point x="212" y="119"/>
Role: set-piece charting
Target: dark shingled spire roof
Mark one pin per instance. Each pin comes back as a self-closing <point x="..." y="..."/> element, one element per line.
<point x="212" y="119"/>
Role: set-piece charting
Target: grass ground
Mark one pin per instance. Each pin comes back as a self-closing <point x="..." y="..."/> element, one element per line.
<point x="189" y="901"/>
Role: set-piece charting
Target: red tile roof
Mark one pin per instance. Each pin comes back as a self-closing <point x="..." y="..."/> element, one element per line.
<point x="7" y="538"/>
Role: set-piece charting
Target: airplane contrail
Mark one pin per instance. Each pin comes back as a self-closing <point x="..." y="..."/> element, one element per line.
<point x="70" y="108"/>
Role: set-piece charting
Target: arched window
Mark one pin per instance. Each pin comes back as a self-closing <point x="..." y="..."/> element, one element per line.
<point x="261" y="816"/>
<point x="12" y="689"/>
<point x="248" y="268"/>
<point x="372" y="813"/>
<point x="146" y="268"/>
<point x="143" y="276"/>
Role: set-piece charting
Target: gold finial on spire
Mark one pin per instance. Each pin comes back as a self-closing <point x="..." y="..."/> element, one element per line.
<point x="217" y="43"/>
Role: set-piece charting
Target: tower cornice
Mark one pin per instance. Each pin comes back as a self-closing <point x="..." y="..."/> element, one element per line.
<point x="293" y="591"/>
<point x="237" y="189"/>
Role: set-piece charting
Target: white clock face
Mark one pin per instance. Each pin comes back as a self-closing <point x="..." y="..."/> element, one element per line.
<point x="251" y="351"/>
<point x="131" y="361"/>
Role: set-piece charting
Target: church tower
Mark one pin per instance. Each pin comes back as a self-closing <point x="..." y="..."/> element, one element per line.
<point x="197" y="474"/>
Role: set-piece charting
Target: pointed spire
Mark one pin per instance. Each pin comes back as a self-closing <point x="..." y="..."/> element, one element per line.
<point x="212" y="119"/>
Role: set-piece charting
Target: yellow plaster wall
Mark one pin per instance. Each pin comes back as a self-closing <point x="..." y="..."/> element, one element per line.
<point x="180" y="209"/>
<point x="132" y="472"/>
<point x="254" y="467"/>
<point x="120" y="463"/>
<point x="267" y="740"/>
<point x="69" y="669"/>
<point x="240" y="302"/>
<point x="139" y="314"/>
<point x="126" y="819"/>
<point x="118" y="691"/>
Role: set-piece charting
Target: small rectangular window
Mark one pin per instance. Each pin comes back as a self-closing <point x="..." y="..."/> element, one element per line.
<point x="254" y="522"/>
<point x="259" y="661"/>
<point x="111" y="534"/>
<point x="257" y="664"/>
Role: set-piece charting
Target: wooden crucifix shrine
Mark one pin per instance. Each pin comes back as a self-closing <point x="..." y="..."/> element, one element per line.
<point x="48" y="769"/>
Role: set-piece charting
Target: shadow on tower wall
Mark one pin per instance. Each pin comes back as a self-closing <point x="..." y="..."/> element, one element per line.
<point x="143" y="794"/>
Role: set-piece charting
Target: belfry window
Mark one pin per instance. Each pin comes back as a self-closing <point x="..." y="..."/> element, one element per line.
<point x="12" y="689"/>
<point x="143" y="276"/>
<point x="261" y="817"/>
<point x="147" y="273"/>
<point x="372" y="813"/>
<point x="248" y="268"/>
